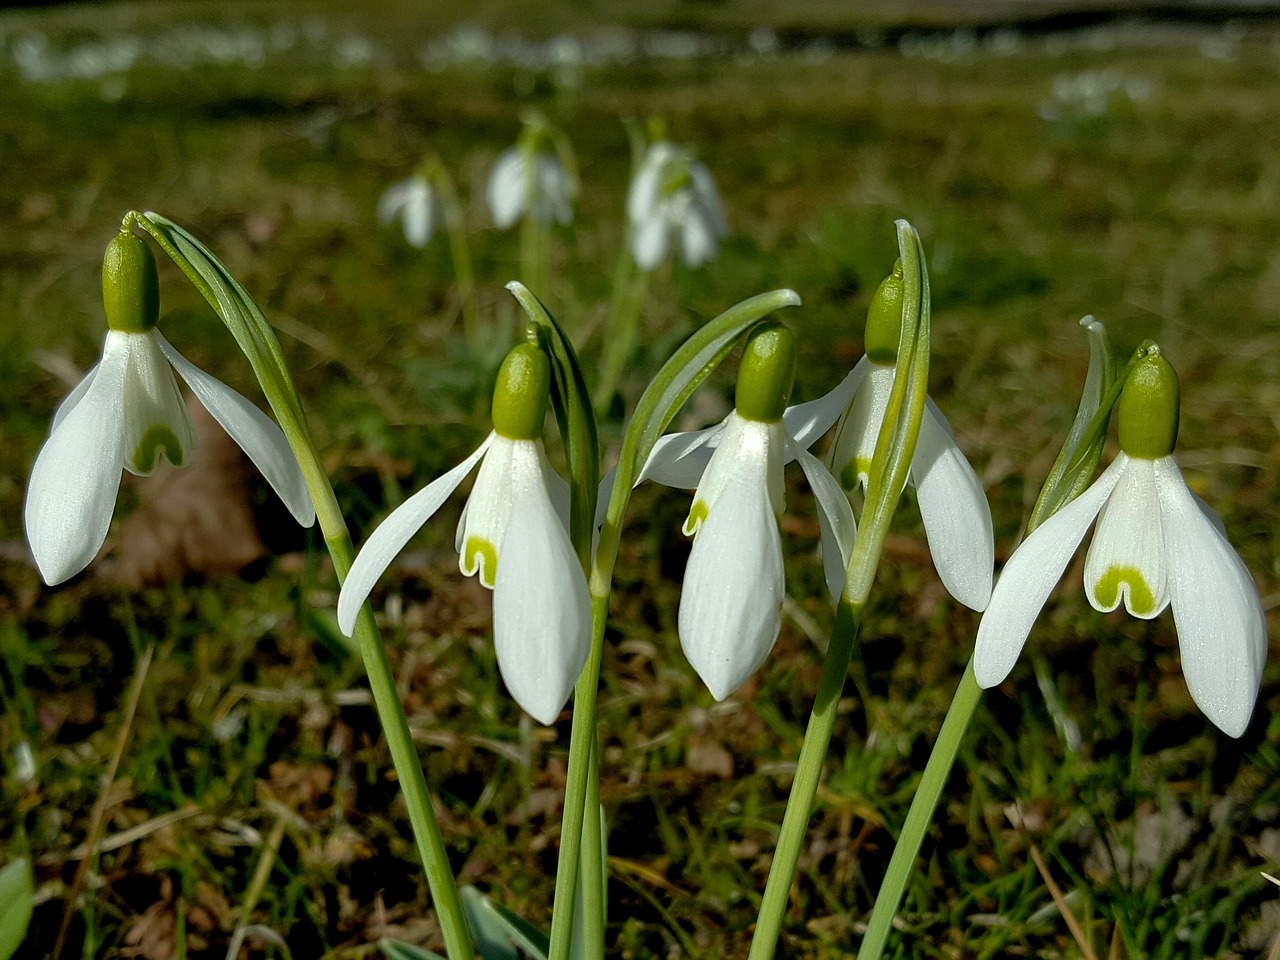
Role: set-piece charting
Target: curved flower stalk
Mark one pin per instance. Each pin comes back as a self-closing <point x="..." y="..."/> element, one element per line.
<point x="126" y="414"/>
<point x="673" y="200"/>
<point x="953" y="505"/>
<point x="733" y="587"/>
<point x="513" y="535"/>
<point x="1156" y="545"/>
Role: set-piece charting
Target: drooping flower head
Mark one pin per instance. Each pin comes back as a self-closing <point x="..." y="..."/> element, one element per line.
<point x="730" y="604"/>
<point x="953" y="505"/>
<point x="126" y="414"/>
<point x="1156" y="545"/>
<point x="673" y="200"/>
<point x="415" y="204"/>
<point x="534" y="178"/>
<point x="513" y="535"/>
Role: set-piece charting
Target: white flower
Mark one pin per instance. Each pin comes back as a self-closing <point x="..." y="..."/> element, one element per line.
<point x="953" y="505"/>
<point x="515" y="539"/>
<point x="730" y="603"/>
<point x="1156" y="546"/>
<point x="415" y="203"/>
<point x="125" y="414"/>
<point x="516" y="189"/>
<point x="673" y="198"/>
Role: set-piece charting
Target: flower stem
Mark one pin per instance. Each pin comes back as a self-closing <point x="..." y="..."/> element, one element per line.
<point x="804" y="788"/>
<point x="455" y="228"/>
<point x="936" y="771"/>
<point x="581" y="803"/>
<point x="622" y="329"/>
<point x="535" y="255"/>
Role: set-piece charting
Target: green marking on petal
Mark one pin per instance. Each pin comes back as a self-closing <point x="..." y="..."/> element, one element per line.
<point x="697" y="513"/>
<point x="853" y="473"/>
<point x="157" y="439"/>
<point x="478" y="554"/>
<point x="1142" y="601"/>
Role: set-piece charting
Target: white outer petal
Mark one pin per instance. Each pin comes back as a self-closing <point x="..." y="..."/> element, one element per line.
<point x="957" y="517"/>
<point x="393" y="200"/>
<point x="73" y="485"/>
<point x="393" y="533"/>
<point x="553" y="190"/>
<point x="256" y="434"/>
<point x="729" y="605"/>
<point x="1129" y="535"/>
<point x="1222" y="629"/>
<point x="697" y="242"/>
<point x="70" y="401"/>
<point x="419" y="213"/>
<point x="649" y="242"/>
<point x="642" y="194"/>
<point x="807" y="422"/>
<point x="835" y="518"/>
<point x="1029" y="577"/>
<point x="704" y="188"/>
<point x="506" y="192"/>
<point x="679" y="459"/>
<point x="744" y="448"/>
<point x="541" y="608"/>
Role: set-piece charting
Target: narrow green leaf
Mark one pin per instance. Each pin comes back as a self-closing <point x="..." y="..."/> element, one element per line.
<point x="398" y="950"/>
<point x="17" y="893"/>
<point x="498" y="933"/>
<point x="575" y="416"/>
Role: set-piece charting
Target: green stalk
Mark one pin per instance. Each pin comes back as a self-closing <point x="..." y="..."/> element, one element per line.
<point x="535" y="254"/>
<point x="258" y="342"/>
<point x="575" y="822"/>
<point x="934" y="778"/>
<point x="455" y="227"/>
<point x="622" y="330"/>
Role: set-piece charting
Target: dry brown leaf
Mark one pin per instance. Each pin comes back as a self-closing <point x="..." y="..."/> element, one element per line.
<point x="193" y="521"/>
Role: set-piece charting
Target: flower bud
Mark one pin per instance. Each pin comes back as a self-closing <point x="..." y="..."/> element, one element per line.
<point x="130" y="285"/>
<point x="884" y="319"/>
<point x="767" y="372"/>
<point x="520" y="395"/>
<point x="1147" y="412"/>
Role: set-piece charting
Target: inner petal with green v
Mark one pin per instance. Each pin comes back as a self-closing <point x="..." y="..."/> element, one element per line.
<point x="157" y="439"/>
<point x="479" y="554"/>
<point x="1126" y="582"/>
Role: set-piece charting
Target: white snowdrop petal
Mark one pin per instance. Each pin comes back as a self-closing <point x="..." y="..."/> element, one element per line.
<point x="506" y="192"/>
<point x="649" y="242"/>
<point x="73" y="485"/>
<point x="1127" y="557"/>
<point x="256" y="434"/>
<point x="697" y="243"/>
<point x="419" y="214"/>
<point x="70" y="401"/>
<point x="393" y="533"/>
<point x="541" y="608"/>
<point x="957" y="517"/>
<point x="393" y="200"/>
<point x="835" y="519"/>
<point x="807" y="422"/>
<point x="483" y="524"/>
<point x="733" y="588"/>
<point x="1028" y="578"/>
<point x="856" y="435"/>
<point x="642" y="194"/>
<point x="679" y="459"/>
<point x="704" y="188"/>
<point x="1222" y="628"/>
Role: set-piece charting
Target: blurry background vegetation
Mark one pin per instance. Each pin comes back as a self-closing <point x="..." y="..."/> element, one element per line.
<point x="1072" y="162"/>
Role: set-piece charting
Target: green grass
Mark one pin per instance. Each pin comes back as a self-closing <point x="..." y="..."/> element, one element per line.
<point x="1158" y="215"/>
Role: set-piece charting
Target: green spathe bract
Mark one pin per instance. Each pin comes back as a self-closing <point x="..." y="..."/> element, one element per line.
<point x="520" y="395"/>
<point x="884" y="318"/>
<point x="767" y="373"/>
<point x="130" y="285"/>
<point x="1147" y="412"/>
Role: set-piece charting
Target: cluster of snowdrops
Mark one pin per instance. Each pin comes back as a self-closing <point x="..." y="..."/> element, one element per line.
<point x="546" y="544"/>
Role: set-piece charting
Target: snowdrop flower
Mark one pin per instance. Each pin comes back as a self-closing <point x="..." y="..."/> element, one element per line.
<point x="126" y="414"/>
<point x="513" y="534"/>
<point x="528" y="182"/>
<point x="672" y="198"/>
<point x="414" y="203"/>
<point x="953" y="505"/>
<point x="733" y="585"/>
<point x="1156" y="545"/>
